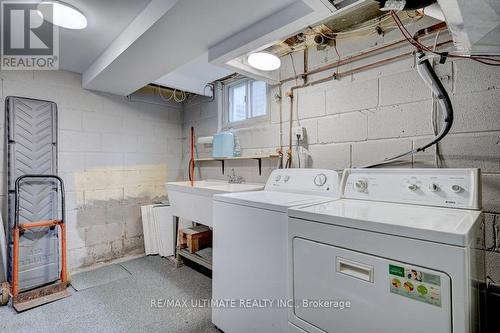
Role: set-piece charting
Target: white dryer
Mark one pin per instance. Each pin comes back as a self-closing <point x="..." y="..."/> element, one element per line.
<point x="398" y="248"/>
<point x="250" y="248"/>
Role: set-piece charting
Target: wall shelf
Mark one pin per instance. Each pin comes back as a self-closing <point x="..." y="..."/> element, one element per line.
<point x="259" y="158"/>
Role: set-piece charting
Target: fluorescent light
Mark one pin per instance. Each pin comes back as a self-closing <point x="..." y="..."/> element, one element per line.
<point x="264" y="61"/>
<point x="63" y="15"/>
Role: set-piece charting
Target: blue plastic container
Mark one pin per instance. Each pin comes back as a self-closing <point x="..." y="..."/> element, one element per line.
<point x="223" y="145"/>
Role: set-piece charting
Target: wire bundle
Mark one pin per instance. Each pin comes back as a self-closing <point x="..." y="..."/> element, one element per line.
<point x="419" y="46"/>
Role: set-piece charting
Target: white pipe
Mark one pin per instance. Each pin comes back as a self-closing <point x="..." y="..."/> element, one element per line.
<point x="434" y="11"/>
<point x="205" y="139"/>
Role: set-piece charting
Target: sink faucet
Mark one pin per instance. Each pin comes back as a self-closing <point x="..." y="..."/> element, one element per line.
<point x="233" y="179"/>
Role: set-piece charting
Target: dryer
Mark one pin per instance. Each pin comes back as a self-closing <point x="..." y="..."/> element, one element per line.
<point x="250" y="248"/>
<point x="397" y="254"/>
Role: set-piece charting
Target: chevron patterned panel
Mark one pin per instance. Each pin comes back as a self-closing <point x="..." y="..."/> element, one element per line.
<point x="33" y="152"/>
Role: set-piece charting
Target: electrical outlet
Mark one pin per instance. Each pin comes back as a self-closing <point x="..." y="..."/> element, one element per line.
<point x="298" y="133"/>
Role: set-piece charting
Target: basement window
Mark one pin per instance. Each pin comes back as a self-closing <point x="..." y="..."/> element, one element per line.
<point x="246" y="100"/>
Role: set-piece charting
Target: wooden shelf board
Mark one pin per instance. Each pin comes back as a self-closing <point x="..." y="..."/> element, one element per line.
<point x="194" y="257"/>
<point x="250" y="157"/>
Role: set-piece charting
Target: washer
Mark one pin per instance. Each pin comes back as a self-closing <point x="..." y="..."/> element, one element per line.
<point x="250" y="248"/>
<point x="399" y="247"/>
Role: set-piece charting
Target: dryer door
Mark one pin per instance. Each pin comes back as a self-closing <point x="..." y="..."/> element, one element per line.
<point x="340" y="290"/>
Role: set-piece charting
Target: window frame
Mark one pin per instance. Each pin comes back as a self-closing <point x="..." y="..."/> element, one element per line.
<point x="227" y="123"/>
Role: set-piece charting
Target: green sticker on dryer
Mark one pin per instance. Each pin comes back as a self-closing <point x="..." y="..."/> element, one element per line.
<point x="411" y="283"/>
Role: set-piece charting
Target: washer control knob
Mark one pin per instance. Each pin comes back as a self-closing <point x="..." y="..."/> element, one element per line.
<point x="361" y="185"/>
<point x="412" y="187"/>
<point x="277" y="178"/>
<point x="286" y="178"/>
<point x="456" y="188"/>
<point x="433" y="187"/>
<point x="320" y="179"/>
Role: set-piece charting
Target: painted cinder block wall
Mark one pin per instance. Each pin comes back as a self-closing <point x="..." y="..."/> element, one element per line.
<point x="114" y="155"/>
<point x="363" y="118"/>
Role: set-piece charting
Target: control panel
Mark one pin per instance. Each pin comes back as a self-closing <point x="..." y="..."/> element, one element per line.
<point x="305" y="181"/>
<point x="458" y="188"/>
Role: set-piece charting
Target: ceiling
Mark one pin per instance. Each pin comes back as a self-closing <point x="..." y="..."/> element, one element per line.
<point x="183" y="44"/>
<point x="106" y="20"/>
<point x="194" y="76"/>
<point x="185" y="32"/>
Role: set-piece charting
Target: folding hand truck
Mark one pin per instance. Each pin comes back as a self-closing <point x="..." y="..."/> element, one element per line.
<point x="44" y="294"/>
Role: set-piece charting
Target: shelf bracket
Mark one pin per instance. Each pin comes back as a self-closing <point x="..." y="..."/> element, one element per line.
<point x="222" y="160"/>
<point x="260" y="165"/>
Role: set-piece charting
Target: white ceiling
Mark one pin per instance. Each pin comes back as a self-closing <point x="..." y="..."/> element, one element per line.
<point x="130" y="43"/>
<point x="194" y="76"/>
<point x="182" y="34"/>
<point x="106" y="20"/>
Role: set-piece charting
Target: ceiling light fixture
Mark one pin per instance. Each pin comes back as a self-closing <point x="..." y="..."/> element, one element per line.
<point x="264" y="61"/>
<point x="63" y="15"/>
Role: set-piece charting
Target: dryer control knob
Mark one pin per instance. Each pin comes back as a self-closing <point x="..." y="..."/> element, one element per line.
<point x="456" y="188"/>
<point x="361" y="185"/>
<point x="277" y="178"/>
<point x="412" y="187"/>
<point x="286" y="178"/>
<point x="433" y="187"/>
<point x="320" y="179"/>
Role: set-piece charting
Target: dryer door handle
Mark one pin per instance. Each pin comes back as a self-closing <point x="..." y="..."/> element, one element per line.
<point x="355" y="269"/>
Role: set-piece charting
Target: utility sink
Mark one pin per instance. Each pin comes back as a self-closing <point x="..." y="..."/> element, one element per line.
<point x="194" y="203"/>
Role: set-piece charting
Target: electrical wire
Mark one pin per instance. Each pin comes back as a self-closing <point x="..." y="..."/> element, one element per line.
<point x="314" y="31"/>
<point x="437" y="155"/>
<point x="430" y="77"/>
<point x="419" y="46"/>
<point x="361" y="29"/>
<point x="338" y="56"/>
<point x="183" y="96"/>
<point x="164" y="98"/>
<point x="377" y="23"/>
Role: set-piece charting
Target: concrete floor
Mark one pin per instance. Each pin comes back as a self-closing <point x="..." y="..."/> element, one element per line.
<point x="123" y="305"/>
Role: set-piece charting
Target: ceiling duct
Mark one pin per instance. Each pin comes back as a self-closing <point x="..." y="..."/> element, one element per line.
<point x="474" y="24"/>
<point x="404" y="4"/>
<point x="353" y="13"/>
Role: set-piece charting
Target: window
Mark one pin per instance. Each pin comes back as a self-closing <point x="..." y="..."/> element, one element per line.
<point x="247" y="99"/>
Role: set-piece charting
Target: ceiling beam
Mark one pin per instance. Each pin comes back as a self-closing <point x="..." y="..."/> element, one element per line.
<point x="142" y="23"/>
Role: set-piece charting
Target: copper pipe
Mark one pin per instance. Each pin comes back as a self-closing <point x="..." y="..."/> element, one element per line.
<point x="191" y="161"/>
<point x="382" y="62"/>
<point x="430" y="30"/>
<point x="370" y="52"/>
<point x="290" y="120"/>
<point x="419" y="34"/>
<point x="306" y="65"/>
<point x="347" y="60"/>
<point x="361" y="68"/>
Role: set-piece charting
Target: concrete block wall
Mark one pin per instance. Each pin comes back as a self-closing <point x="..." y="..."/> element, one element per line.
<point x="378" y="113"/>
<point x="115" y="154"/>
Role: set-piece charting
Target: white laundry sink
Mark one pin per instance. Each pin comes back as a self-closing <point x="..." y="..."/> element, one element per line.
<point x="194" y="203"/>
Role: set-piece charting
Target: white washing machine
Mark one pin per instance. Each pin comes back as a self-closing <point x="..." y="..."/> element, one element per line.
<point x="395" y="254"/>
<point x="250" y="248"/>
